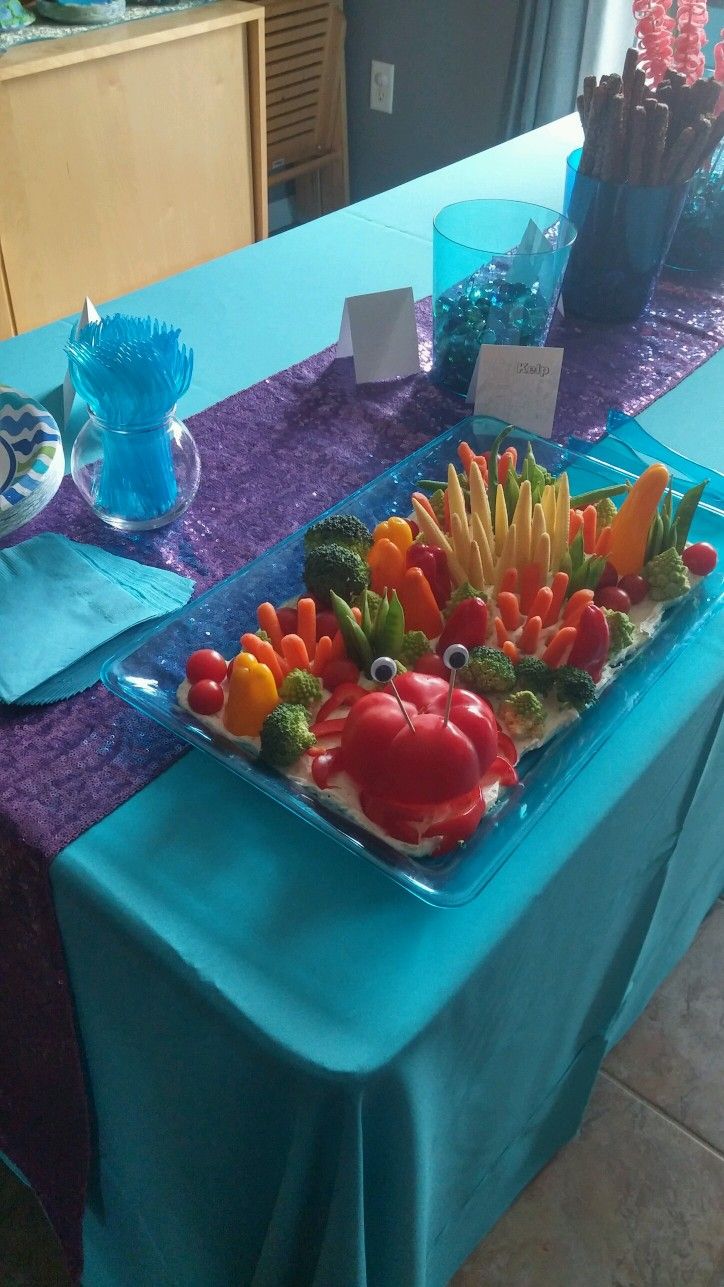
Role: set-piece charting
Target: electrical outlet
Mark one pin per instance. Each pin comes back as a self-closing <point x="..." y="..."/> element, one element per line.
<point x="382" y="83"/>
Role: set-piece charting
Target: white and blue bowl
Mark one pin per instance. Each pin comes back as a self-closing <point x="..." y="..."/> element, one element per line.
<point x="31" y="459"/>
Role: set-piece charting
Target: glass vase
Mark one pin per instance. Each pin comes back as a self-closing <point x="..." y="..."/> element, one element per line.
<point x="624" y="232"/>
<point x="698" y="243"/>
<point x="136" y="477"/>
<point x="497" y="272"/>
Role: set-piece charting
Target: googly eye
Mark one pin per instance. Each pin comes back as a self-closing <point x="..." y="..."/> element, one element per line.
<point x="383" y="669"/>
<point x="456" y="656"/>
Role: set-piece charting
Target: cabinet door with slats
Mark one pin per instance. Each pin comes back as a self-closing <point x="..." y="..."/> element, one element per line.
<point x="303" y="49"/>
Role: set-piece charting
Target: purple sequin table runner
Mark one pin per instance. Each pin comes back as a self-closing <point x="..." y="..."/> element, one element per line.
<point x="273" y="456"/>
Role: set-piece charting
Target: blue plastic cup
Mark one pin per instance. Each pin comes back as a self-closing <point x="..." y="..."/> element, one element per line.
<point x="497" y="273"/>
<point x="624" y="232"/>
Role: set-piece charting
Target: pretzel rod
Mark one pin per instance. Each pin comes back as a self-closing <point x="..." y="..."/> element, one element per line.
<point x="677" y="155"/>
<point x="657" y="121"/>
<point x="614" y="140"/>
<point x="629" y="71"/>
<point x="698" y="148"/>
<point x="589" y="84"/>
<point x="637" y="140"/>
<point x="596" y="119"/>
<point x="637" y="135"/>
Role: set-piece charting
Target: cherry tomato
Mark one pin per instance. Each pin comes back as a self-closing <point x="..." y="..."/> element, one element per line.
<point x="636" y="587"/>
<point x="205" y="663"/>
<point x="609" y="576"/>
<point x="339" y="671"/>
<point x="613" y="597"/>
<point x="700" y="558"/>
<point x="206" y="697"/>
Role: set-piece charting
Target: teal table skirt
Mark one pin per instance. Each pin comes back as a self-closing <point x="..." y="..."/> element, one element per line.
<point x="299" y="1075"/>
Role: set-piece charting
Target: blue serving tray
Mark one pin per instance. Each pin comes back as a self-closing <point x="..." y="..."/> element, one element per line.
<point x="148" y="676"/>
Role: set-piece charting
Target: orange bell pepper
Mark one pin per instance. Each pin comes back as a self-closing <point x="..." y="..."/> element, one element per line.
<point x="387" y="565"/>
<point x="419" y="603"/>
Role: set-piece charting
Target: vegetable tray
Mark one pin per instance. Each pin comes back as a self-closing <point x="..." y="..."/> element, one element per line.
<point x="148" y="677"/>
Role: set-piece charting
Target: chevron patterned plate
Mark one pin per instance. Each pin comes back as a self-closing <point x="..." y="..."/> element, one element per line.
<point x="31" y="459"/>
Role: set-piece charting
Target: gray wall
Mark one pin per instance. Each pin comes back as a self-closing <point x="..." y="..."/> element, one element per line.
<point x="451" y="62"/>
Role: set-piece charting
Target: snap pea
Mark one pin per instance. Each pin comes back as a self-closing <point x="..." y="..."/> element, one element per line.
<point x="387" y="637"/>
<point x="684" y="514"/>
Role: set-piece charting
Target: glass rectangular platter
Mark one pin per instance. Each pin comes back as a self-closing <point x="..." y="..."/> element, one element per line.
<point x="148" y="676"/>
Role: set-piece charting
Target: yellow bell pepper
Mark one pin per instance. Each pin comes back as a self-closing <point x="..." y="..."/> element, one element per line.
<point x="252" y="695"/>
<point x="397" y="530"/>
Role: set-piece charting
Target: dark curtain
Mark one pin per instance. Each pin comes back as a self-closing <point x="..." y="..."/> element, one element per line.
<point x="545" y="69"/>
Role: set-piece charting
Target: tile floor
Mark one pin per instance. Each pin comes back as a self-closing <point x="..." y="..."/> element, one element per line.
<point x="637" y="1200"/>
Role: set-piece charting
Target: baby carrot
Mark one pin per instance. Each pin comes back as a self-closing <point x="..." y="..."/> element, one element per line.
<point x="509" y="583"/>
<point x="295" y="652"/>
<point x="357" y="614"/>
<point x="529" y="584"/>
<point x="575" y="606"/>
<point x="530" y="635"/>
<point x="559" y="585"/>
<point x="511" y="652"/>
<point x="603" y="544"/>
<point x="590" y="518"/>
<point x="501" y="632"/>
<point x="467" y="456"/>
<point x="509" y="609"/>
<point x="541" y="605"/>
<point x="560" y="646"/>
<point x="422" y="499"/>
<point x="264" y="652"/>
<point x="307" y="624"/>
<point x="322" y="655"/>
<point x="266" y="615"/>
<point x="575" y="523"/>
<point x="275" y="663"/>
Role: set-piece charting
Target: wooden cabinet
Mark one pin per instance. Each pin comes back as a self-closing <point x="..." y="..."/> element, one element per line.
<point x="128" y="154"/>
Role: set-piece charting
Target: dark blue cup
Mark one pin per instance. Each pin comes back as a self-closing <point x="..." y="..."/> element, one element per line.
<point x="624" y="232"/>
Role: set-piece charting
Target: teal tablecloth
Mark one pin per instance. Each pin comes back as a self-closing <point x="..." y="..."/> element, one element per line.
<point x="298" y="1073"/>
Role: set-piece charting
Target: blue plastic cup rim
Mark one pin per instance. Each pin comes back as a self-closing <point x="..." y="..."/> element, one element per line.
<point x="567" y="230"/>
<point x="573" y="161"/>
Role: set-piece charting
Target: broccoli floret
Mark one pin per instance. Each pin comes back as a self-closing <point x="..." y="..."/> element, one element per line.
<point x="666" y="575"/>
<point x="621" y="631"/>
<point x="373" y="601"/>
<point x="606" y="512"/>
<point x="334" y="567"/>
<point x="262" y="634"/>
<point x="574" y="687"/>
<point x="437" y="500"/>
<point x="464" y="591"/>
<point x="415" y="644"/>
<point x="339" y="529"/>
<point x="488" y="671"/>
<point x="285" y="735"/>
<point x="301" y="687"/>
<point x="523" y="714"/>
<point x="533" y="674"/>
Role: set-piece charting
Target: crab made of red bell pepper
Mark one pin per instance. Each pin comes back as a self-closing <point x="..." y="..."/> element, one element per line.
<point x="420" y="781"/>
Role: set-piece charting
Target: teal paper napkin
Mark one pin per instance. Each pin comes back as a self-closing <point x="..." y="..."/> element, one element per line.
<point x="65" y="607"/>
